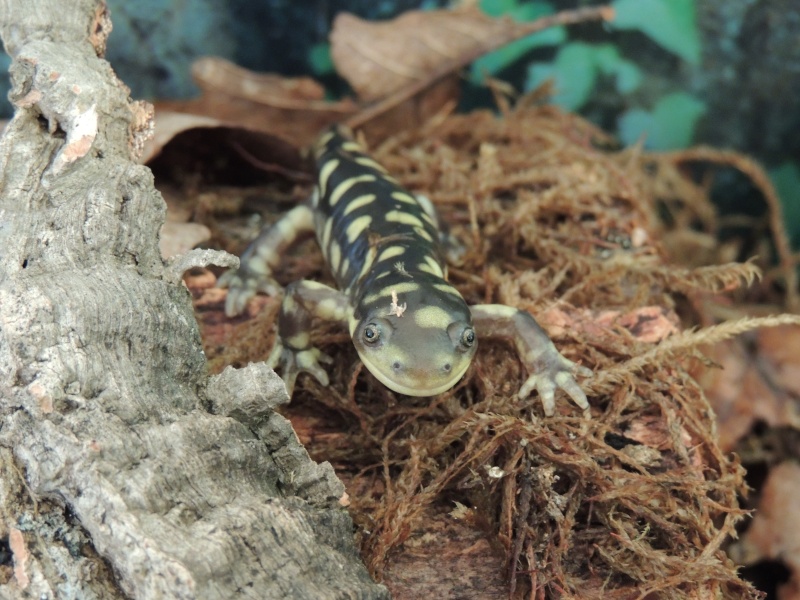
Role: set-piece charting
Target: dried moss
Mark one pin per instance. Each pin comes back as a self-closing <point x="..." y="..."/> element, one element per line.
<point x="636" y="503"/>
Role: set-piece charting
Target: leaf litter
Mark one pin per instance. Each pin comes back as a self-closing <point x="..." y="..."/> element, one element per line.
<point x="641" y="501"/>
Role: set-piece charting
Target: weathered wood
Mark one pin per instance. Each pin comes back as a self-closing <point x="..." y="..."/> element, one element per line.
<point x="124" y="471"/>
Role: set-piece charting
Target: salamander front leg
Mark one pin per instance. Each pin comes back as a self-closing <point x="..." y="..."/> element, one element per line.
<point x="293" y="350"/>
<point x="547" y="368"/>
<point x="261" y="257"/>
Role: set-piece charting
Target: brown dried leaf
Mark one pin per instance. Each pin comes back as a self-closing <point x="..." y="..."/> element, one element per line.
<point x="780" y="348"/>
<point x="379" y="58"/>
<point x="758" y="384"/>
<point x="775" y="531"/>
<point x="213" y="74"/>
<point x="292" y="109"/>
<point x="649" y="324"/>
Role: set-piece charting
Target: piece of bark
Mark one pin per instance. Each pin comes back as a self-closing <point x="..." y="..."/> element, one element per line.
<point x="125" y="473"/>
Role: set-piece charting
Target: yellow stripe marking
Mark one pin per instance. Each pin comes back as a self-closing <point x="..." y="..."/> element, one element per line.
<point x="335" y="256"/>
<point x="424" y="234"/>
<point x="498" y="311"/>
<point x="433" y="317"/>
<point x="404" y="197"/>
<point x="323" y="141"/>
<point x="435" y="266"/>
<point x="385" y="294"/>
<point x="366" y="266"/>
<point x="366" y="161"/>
<point x="300" y="340"/>
<point x="351" y="146"/>
<point x="330" y="309"/>
<point x="310" y="284"/>
<point x="369" y="264"/>
<point x="391" y="252"/>
<point x="359" y="202"/>
<point x="326" y="233"/>
<point x="404" y="218"/>
<point x="343" y="187"/>
<point x="405" y="288"/>
<point x="352" y="324"/>
<point x="426" y="268"/>
<point x="357" y="227"/>
<point x="324" y="175"/>
<point x="447" y="289"/>
<point x="426" y="205"/>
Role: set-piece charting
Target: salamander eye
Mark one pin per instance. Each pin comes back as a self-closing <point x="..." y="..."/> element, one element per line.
<point x="468" y="337"/>
<point x="371" y="333"/>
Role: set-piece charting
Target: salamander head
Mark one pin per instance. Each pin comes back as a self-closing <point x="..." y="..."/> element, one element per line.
<point x="422" y="351"/>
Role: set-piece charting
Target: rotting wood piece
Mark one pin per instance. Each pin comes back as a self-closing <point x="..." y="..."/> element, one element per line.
<point x="105" y="403"/>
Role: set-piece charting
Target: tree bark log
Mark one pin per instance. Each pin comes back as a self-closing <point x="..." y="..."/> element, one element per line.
<point x="124" y="470"/>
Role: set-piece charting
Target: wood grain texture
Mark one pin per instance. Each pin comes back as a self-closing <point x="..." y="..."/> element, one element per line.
<point x="127" y="472"/>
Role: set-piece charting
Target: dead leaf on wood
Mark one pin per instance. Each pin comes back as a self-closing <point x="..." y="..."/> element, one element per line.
<point x="379" y="58"/>
<point x="394" y="63"/>
<point x="213" y="74"/>
<point x="293" y="109"/>
<point x="747" y="389"/>
<point x="410" y="63"/>
<point x="775" y="531"/>
<point x="649" y="324"/>
<point x="780" y="348"/>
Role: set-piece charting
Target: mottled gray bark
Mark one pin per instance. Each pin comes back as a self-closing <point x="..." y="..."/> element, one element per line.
<point x="124" y="471"/>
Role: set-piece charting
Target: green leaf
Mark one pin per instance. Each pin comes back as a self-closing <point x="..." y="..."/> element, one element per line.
<point x="629" y="77"/>
<point x="530" y="11"/>
<point x="633" y="124"/>
<point x="670" y="125"/>
<point x="675" y="117"/>
<point x="496" y="61"/>
<point x="497" y="8"/>
<point x="610" y="62"/>
<point x="607" y="58"/>
<point x="786" y="179"/>
<point x="576" y="75"/>
<point x="538" y="73"/>
<point x="319" y="57"/>
<point x="670" y="23"/>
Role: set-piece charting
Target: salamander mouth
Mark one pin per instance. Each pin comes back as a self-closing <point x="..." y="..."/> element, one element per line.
<point x="421" y="386"/>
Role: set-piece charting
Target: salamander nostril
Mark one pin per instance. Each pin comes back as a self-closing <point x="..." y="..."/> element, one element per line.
<point x="447" y="367"/>
<point x="396" y="365"/>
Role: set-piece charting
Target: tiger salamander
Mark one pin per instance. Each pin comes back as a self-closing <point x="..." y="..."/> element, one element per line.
<point x="411" y="328"/>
